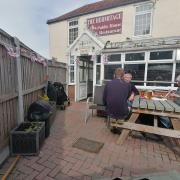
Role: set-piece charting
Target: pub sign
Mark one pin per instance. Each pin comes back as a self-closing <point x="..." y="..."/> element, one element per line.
<point x="106" y="25"/>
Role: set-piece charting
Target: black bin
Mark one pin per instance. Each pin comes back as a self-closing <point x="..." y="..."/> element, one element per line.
<point x="40" y="111"/>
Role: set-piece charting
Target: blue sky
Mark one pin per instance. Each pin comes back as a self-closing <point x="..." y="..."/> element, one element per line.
<point x="26" y="19"/>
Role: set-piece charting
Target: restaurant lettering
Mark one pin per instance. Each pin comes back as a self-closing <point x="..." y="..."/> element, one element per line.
<point x="108" y="24"/>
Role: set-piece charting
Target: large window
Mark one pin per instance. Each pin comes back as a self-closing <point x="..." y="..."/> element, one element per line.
<point x="109" y="70"/>
<point x="137" y="71"/>
<point x="160" y="72"/>
<point x="161" y="55"/>
<point x="73" y="31"/>
<point x="135" y="56"/>
<point x="114" y="57"/>
<point x="143" y="19"/>
<point x="157" y="68"/>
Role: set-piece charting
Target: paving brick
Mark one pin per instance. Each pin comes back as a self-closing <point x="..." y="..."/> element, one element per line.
<point x="20" y="177"/>
<point x="77" y="165"/>
<point x="107" y="173"/>
<point x="49" y="164"/>
<point x="31" y="160"/>
<point x="70" y="159"/>
<point x="165" y="158"/>
<point x="86" y="178"/>
<point x="32" y="175"/>
<point x="43" y="174"/>
<point x="25" y="170"/>
<point x="55" y="171"/>
<point x="44" y="158"/>
<point x="126" y="172"/>
<point x="87" y="163"/>
<point x="73" y="173"/>
<point x="117" y="172"/>
<point x="79" y="156"/>
<point x="63" y="177"/>
<point x="37" y="167"/>
<point x="60" y="162"/>
<point x="48" y="178"/>
<point x="92" y="169"/>
<point x="67" y="168"/>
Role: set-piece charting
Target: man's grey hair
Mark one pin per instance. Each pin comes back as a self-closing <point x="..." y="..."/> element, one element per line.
<point x="178" y="79"/>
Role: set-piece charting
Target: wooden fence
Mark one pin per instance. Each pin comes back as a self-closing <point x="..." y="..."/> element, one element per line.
<point x="23" y="74"/>
<point x="57" y="72"/>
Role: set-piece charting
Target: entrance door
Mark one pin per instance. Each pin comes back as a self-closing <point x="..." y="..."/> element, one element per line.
<point x="84" y="78"/>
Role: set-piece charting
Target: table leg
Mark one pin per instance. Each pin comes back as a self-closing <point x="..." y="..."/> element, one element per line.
<point x="155" y="121"/>
<point x="175" y="123"/>
<point x="125" y="132"/>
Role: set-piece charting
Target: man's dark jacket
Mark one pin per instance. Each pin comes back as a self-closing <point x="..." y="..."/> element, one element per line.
<point x="134" y="89"/>
<point x="115" y="97"/>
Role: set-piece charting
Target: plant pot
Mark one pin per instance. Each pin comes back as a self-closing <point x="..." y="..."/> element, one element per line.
<point x="27" y="138"/>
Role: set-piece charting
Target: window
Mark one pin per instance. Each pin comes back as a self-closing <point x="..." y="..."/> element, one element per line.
<point x="137" y="71"/>
<point x="82" y="71"/>
<point x="90" y="70"/>
<point x="177" y="73"/>
<point x="161" y="55"/>
<point x="98" y="59"/>
<point x="159" y="72"/>
<point x="109" y="70"/>
<point x="135" y="56"/>
<point x="115" y="57"/>
<point x="149" y="68"/>
<point x="73" y="31"/>
<point x="71" y="74"/>
<point x="98" y="72"/>
<point x="143" y="19"/>
<point x="71" y="69"/>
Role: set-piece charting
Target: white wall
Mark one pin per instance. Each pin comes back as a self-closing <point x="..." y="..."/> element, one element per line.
<point x="166" y="18"/>
<point x="58" y="43"/>
<point x="165" y="23"/>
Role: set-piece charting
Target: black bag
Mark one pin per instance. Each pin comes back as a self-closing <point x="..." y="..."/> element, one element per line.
<point x="40" y="111"/>
<point x="61" y="94"/>
<point x="51" y="92"/>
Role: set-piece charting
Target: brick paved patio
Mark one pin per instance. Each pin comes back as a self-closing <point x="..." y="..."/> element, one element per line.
<point x="60" y="161"/>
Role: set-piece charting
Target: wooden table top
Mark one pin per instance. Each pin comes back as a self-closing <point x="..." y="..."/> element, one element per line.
<point x="156" y="104"/>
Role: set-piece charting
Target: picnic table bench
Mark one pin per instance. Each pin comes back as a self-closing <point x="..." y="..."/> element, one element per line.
<point x="156" y="107"/>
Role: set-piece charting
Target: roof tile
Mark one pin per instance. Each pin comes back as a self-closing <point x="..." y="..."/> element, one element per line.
<point x="94" y="7"/>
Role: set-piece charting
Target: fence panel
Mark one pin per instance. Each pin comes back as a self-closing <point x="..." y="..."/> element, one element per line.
<point x="57" y="72"/>
<point x="34" y="79"/>
<point x="8" y="94"/>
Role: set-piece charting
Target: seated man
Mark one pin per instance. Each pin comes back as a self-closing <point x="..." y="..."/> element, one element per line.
<point x="128" y="77"/>
<point x="116" y="94"/>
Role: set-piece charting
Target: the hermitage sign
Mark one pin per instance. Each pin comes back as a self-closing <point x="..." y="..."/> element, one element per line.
<point x="105" y="25"/>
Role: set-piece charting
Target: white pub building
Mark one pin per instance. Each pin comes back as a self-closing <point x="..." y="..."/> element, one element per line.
<point x="141" y="36"/>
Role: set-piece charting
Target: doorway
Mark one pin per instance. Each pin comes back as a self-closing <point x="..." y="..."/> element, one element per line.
<point x="84" y="78"/>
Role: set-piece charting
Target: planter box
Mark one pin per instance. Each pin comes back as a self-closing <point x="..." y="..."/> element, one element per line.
<point x="27" y="141"/>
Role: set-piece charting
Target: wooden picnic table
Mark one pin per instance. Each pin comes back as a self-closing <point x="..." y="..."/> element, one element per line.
<point x="156" y="107"/>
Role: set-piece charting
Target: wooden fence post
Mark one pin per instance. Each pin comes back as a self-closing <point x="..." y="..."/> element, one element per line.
<point x="19" y="78"/>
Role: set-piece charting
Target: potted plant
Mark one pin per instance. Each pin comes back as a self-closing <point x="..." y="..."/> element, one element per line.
<point x="27" y="138"/>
